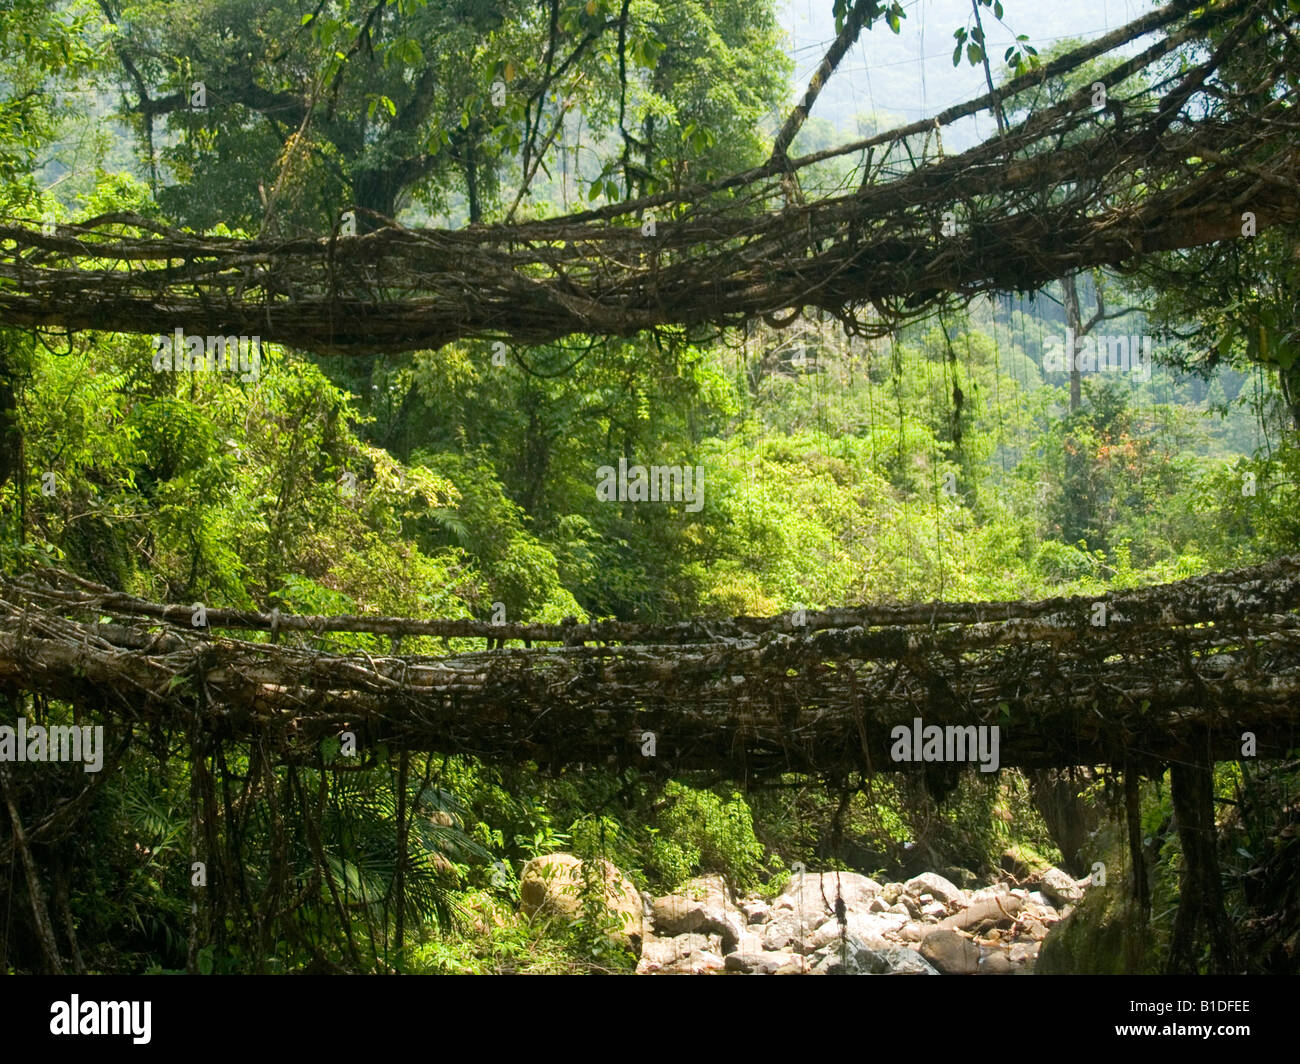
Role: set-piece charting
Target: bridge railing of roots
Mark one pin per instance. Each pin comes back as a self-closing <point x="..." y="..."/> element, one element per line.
<point x="1143" y="677"/>
<point x="1184" y="155"/>
<point x="1179" y="675"/>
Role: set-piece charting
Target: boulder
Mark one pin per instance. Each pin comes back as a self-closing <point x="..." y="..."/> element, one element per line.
<point x="945" y="891"/>
<point x="1102" y="935"/>
<point x="729" y="924"/>
<point x="711" y="889"/>
<point x="963" y="877"/>
<point x="657" y="952"/>
<point x="899" y="960"/>
<point x="984" y="908"/>
<point x="1059" y="887"/>
<point x="680" y="955"/>
<point x="994" y="962"/>
<point x="951" y="952"/>
<point x="1024" y="953"/>
<point x="787" y="928"/>
<point x="758" y="962"/>
<point x="855" y="957"/>
<point x="816" y="892"/>
<point x="869" y="929"/>
<point x="700" y="962"/>
<point x="551" y="886"/>
<point x="850" y="957"/>
<point x="677" y="915"/>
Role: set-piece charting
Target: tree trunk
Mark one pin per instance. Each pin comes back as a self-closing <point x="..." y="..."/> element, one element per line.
<point x="1069" y="819"/>
<point x="1074" y="525"/>
<point x="1289" y="379"/>
<point x="1074" y="328"/>
<point x="40" y="914"/>
<point x="1200" y="890"/>
<point x="377" y="191"/>
<point x="9" y="450"/>
<point x="1136" y="946"/>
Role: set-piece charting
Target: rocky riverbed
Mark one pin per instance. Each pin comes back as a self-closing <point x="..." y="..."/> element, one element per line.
<point x="829" y="923"/>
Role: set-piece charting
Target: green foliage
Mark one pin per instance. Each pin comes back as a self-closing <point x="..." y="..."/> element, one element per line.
<point x="700" y="833"/>
<point x="44" y="48"/>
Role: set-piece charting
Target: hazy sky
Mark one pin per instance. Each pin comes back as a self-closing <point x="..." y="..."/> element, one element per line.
<point x="911" y="75"/>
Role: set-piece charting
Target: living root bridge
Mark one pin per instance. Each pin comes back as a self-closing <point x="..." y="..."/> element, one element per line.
<point x="1067" y="188"/>
<point x="1177" y="673"/>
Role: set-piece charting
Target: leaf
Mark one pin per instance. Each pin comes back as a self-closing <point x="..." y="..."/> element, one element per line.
<point x="997" y="8"/>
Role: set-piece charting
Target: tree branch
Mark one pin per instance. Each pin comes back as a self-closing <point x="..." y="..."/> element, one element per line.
<point x="853" y="24"/>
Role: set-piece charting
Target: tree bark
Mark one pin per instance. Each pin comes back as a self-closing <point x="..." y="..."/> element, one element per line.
<point x="1141" y="889"/>
<point x="1068" y="817"/>
<point x="1201" y="889"/>
<point x="1074" y="328"/>
<point x="40" y="914"/>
